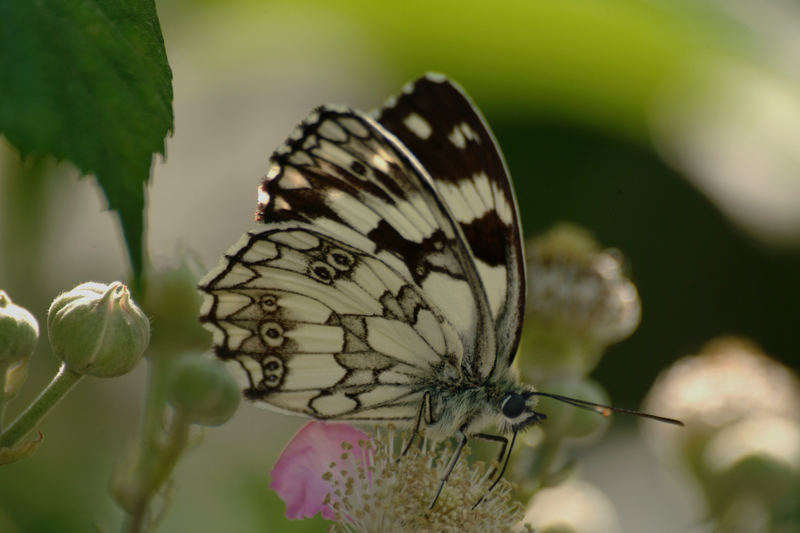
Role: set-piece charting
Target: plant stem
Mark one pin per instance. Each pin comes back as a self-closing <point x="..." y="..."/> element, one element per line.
<point x="158" y="472"/>
<point x="3" y="399"/>
<point x="154" y="411"/>
<point x="49" y="397"/>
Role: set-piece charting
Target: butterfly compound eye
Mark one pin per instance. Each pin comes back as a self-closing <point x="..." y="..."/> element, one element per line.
<point x="513" y="405"/>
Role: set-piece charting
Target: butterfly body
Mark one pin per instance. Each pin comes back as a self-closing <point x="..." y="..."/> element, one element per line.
<point x="470" y="409"/>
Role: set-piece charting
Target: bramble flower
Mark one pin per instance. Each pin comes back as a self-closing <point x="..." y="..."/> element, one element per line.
<point x="369" y="487"/>
<point x="298" y="475"/>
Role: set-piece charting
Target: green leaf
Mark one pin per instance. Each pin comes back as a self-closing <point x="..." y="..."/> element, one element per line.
<point x="88" y="81"/>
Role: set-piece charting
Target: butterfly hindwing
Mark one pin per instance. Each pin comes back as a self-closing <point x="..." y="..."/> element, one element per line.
<point x="313" y="325"/>
<point x="444" y="130"/>
<point x="344" y="173"/>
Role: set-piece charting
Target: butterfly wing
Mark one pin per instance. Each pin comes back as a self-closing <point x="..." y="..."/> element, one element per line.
<point x="345" y="174"/>
<point x="444" y="130"/>
<point x="316" y="326"/>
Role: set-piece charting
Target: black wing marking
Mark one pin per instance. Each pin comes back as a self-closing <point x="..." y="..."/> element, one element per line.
<point x="312" y="325"/>
<point x="344" y="173"/>
<point x="444" y="130"/>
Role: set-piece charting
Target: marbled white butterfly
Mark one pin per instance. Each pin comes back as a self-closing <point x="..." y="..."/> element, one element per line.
<point x="388" y="281"/>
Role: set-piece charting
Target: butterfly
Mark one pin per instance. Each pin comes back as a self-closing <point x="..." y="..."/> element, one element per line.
<point x="387" y="283"/>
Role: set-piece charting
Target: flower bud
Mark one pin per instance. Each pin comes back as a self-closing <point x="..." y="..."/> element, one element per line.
<point x="203" y="391"/>
<point x="741" y="442"/>
<point x="97" y="329"/>
<point x="19" y="332"/>
<point x="171" y="303"/>
<point x="572" y="507"/>
<point x="579" y="302"/>
<point x="729" y="381"/>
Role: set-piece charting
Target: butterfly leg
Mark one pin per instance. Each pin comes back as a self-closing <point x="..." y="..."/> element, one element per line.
<point x="450" y="468"/>
<point x="424" y="411"/>
<point x="497" y="438"/>
<point x="501" y="455"/>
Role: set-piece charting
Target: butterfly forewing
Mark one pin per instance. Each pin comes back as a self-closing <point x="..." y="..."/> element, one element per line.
<point x="438" y="123"/>
<point x="343" y="172"/>
<point x="316" y="326"/>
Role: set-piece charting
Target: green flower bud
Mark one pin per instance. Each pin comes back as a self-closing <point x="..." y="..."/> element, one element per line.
<point x="19" y="332"/>
<point x="579" y="302"/>
<point x="202" y="390"/>
<point x="171" y="303"/>
<point x="565" y="420"/>
<point x="98" y="330"/>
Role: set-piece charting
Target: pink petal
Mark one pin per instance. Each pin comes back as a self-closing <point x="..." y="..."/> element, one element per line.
<point x="297" y="476"/>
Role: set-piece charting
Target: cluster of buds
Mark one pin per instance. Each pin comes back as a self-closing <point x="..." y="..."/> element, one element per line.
<point x="579" y="302"/>
<point x="94" y="330"/>
<point x="741" y="443"/>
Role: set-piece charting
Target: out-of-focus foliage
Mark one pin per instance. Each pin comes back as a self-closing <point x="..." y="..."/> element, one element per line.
<point x="89" y="82"/>
<point x="710" y="84"/>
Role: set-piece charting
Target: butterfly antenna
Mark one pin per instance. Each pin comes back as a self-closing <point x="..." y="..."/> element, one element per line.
<point x="606" y="410"/>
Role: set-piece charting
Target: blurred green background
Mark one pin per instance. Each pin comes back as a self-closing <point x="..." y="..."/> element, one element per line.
<point x="671" y="130"/>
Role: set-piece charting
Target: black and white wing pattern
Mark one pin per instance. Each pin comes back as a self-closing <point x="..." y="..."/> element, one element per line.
<point x="316" y="326"/>
<point x="389" y="267"/>
<point x="437" y="122"/>
<point x="342" y="171"/>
